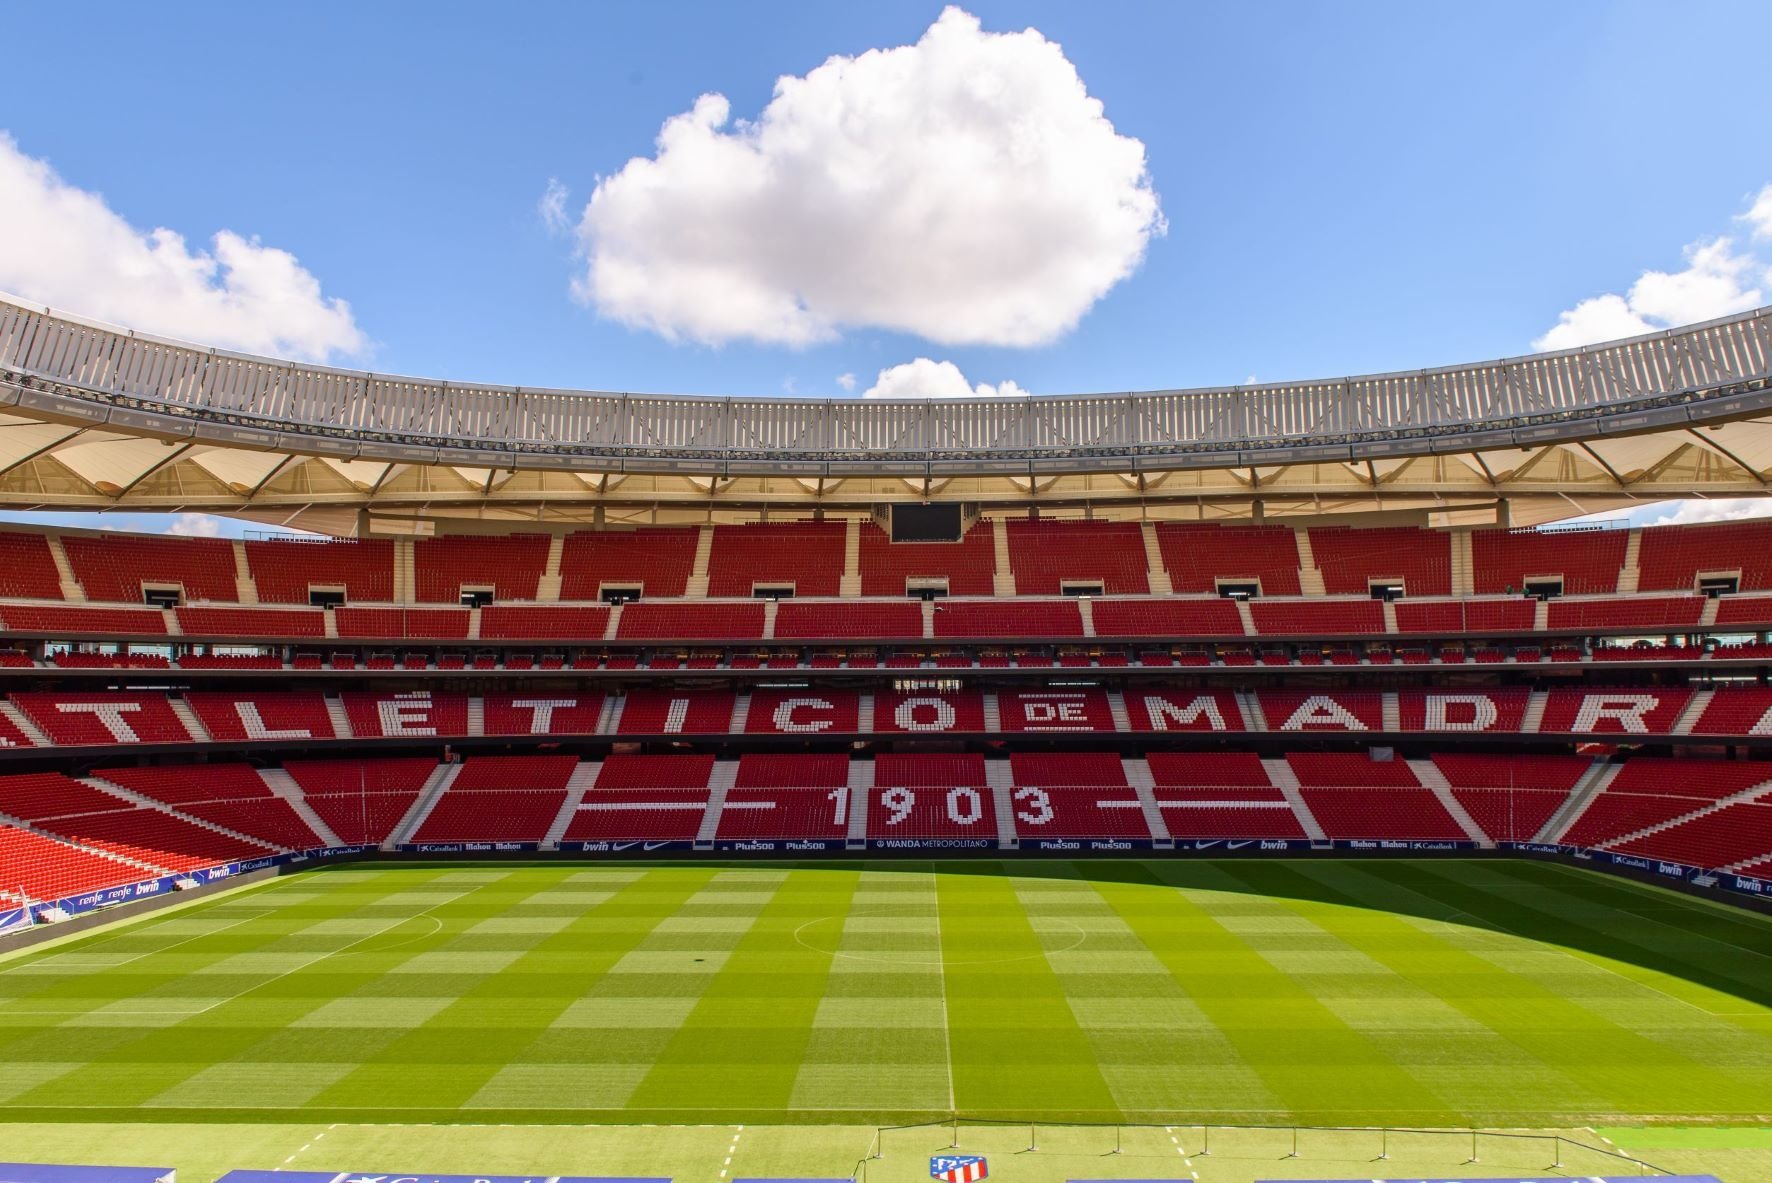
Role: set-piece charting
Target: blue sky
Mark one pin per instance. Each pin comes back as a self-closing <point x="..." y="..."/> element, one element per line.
<point x="1346" y="187"/>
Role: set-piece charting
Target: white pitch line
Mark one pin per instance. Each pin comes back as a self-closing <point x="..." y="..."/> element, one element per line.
<point x="947" y="1039"/>
<point x="151" y="952"/>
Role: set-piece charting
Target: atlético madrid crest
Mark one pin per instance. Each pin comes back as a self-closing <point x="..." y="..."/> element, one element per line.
<point x="959" y="1168"/>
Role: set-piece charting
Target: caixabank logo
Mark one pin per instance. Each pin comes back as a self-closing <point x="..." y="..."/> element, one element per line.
<point x="959" y="1168"/>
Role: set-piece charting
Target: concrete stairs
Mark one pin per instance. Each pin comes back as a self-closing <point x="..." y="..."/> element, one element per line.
<point x="1630" y="575"/>
<point x="405" y="572"/>
<point x="1695" y="708"/>
<point x="741" y="711"/>
<point x="861" y="796"/>
<point x="771" y="609"/>
<point x="1002" y="786"/>
<point x="1429" y="774"/>
<point x="1754" y="793"/>
<point x="864" y="716"/>
<point x="1464" y="579"/>
<point x="614" y="625"/>
<point x="582" y="781"/>
<point x="245" y="590"/>
<point x="284" y="786"/>
<point x="1310" y="576"/>
<point x="697" y="587"/>
<point x="331" y="621"/>
<point x="1708" y="617"/>
<point x="335" y="713"/>
<point x="1117" y="708"/>
<point x="434" y="787"/>
<point x="1281" y="774"/>
<point x="1155" y="572"/>
<point x="1086" y="610"/>
<point x="23" y="722"/>
<point x="993" y="714"/>
<point x="1003" y="581"/>
<point x="6" y="819"/>
<point x="850" y="585"/>
<point x="1533" y="718"/>
<point x="1593" y="782"/>
<point x="1138" y="775"/>
<point x="609" y="721"/>
<point x="170" y="619"/>
<point x="548" y="587"/>
<point x="1246" y="618"/>
<point x="64" y="571"/>
<point x="476" y="715"/>
<point x="719" y="784"/>
<point x="189" y="719"/>
<point x="1254" y="719"/>
<point x="473" y="624"/>
<point x="146" y="802"/>
<point x="1390" y="712"/>
<point x="1540" y="615"/>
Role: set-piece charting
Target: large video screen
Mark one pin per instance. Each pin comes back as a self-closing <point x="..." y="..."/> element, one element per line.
<point x="926" y="523"/>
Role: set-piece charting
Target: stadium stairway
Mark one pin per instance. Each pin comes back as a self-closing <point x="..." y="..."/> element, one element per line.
<point x="1533" y="719"/>
<point x="1429" y="774"/>
<point x="861" y="788"/>
<point x="189" y="720"/>
<point x="64" y="570"/>
<point x="1286" y="780"/>
<point x="143" y="801"/>
<point x="719" y="785"/>
<point x="1138" y="775"/>
<point x="434" y="787"/>
<point x="1630" y="575"/>
<point x="1745" y="796"/>
<point x="1593" y="782"/>
<point x="1156" y="574"/>
<point x="336" y="714"/>
<point x="1000" y="779"/>
<point x="24" y="724"/>
<point x="283" y="785"/>
<point x="1695" y="708"/>
<point x="582" y="781"/>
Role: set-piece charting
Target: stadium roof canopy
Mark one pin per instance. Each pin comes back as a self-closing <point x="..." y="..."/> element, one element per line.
<point x="93" y="417"/>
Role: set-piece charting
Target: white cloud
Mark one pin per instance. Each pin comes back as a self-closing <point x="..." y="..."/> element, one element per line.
<point x="63" y="246"/>
<point x="923" y="378"/>
<point x="846" y="381"/>
<point x="1715" y="509"/>
<point x="1716" y="281"/>
<point x="552" y="207"/>
<point x="1759" y="218"/>
<point x="195" y="525"/>
<point x="966" y="189"/>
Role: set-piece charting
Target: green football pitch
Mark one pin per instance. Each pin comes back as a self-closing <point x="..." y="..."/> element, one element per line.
<point x="813" y="1002"/>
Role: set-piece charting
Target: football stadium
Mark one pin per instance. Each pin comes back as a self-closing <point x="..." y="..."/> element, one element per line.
<point x="417" y="780"/>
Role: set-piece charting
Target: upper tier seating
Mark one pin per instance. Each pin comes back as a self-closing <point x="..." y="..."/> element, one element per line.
<point x="362" y="800"/>
<point x="1340" y="710"/>
<point x="27" y="568"/>
<point x="250" y="622"/>
<point x="1451" y="617"/>
<point x="1646" y="612"/>
<point x="1351" y="558"/>
<point x="262" y="715"/>
<point x="1155" y="708"/>
<point x="1737" y="711"/>
<point x="658" y="560"/>
<point x="650" y="621"/>
<point x="1054" y="711"/>
<point x="1008" y="618"/>
<point x="1672" y="558"/>
<point x="568" y="625"/>
<point x="889" y="621"/>
<point x="1216" y="617"/>
<point x="967" y="565"/>
<point x="114" y="567"/>
<point x="510" y="564"/>
<point x="73" y="622"/>
<point x="920" y="713"/>
<point x="1198" y="555"/>
<point x="103" y="717"/>
<point x="286" y="570"/>
<point x="1045" y="553"/>
<point x="806" y="555"/>
<point x="229" y="795"/>
<point x="442" y="624"/>
<point x="1317" y="618"/>
<point x="1587" y="561"/>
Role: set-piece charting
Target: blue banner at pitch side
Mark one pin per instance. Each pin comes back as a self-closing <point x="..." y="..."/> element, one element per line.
<point x="1697" y="876"/>
<point x="420" y="1177"/>
<point x="30" y="1172"/>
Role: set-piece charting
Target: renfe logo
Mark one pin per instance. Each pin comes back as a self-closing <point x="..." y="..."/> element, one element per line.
<point x="958" y="1168"/>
